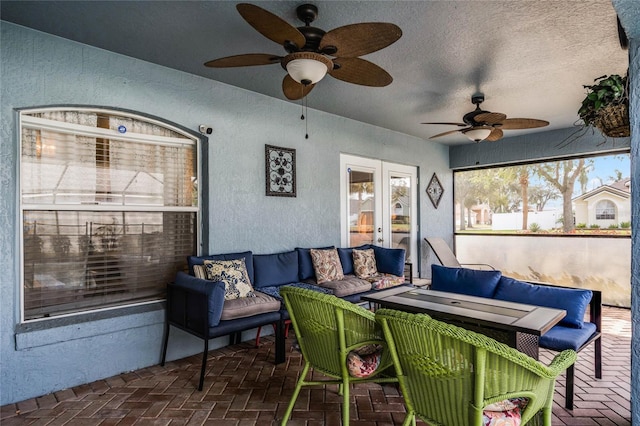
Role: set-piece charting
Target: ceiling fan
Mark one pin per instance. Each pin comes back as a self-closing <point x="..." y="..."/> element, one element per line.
<point x="312" y="52"/>
<point x="482" y="125"/>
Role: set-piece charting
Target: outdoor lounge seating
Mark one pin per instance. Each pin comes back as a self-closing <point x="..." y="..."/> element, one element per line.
<point x="447" y="258"/>
<point x="201" y="306"/>
<point x="452" y="376"/>
<point x="338" y="339"/>
<point x="573" y="332"/>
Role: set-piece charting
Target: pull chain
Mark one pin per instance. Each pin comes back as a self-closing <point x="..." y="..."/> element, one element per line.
<point x="306" y="123"/>
<point x="304" y="108"/>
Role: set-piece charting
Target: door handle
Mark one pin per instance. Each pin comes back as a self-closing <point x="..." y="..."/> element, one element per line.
<point x="380" y="240"/>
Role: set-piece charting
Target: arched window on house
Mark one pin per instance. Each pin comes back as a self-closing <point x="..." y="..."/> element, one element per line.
<point x="605" y="209"/>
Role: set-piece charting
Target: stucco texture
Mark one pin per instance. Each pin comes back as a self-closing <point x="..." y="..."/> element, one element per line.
<point x="40" y="70"/>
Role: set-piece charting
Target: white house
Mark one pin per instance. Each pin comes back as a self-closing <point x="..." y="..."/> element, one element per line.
<point x="604" y="206"/>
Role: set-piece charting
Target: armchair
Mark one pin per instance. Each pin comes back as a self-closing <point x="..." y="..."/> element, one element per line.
<point x="449" y="375"/>
<point x="331" y="332"/>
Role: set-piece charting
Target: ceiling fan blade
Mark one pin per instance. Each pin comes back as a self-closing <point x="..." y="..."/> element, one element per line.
<point x="489" y="118"/>
<point x="447" y="133"/>
<point x="271" y="26"/>
<point x="522" y="123"/>
<point x="495" y="135"/>
<point x="247" y="60"/>
<point x="359" y="39"/>
<point x="294" y="90"/>
<point x="360" y="71"/>
<point x="450" y="124"/>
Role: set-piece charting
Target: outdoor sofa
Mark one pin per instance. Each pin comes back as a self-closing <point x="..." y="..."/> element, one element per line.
<point x="202" y="307"/>
<point x="573" y="331"/>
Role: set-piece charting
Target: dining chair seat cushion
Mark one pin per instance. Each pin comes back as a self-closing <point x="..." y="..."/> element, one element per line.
<point x="504" y="413"/>
<point x="574" y="301"/>
<point x="561" y="337"/>
<point x="364" y="361"/>
<point x="472" y="282"/>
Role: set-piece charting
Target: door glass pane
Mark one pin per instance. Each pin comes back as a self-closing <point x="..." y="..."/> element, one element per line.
<point x="361" y="208"/>
<point x="400" y="212"/>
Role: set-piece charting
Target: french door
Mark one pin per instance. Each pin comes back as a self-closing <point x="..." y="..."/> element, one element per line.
<point x="378" y="204"/>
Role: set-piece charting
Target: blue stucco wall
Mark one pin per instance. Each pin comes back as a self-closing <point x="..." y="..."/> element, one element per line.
<point x="634" y="70"/>
<point x="38" y="70"/>
<point x="533" y="146"/>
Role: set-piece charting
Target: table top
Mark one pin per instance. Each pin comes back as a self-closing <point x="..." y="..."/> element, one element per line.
<point x="483" y="311"/>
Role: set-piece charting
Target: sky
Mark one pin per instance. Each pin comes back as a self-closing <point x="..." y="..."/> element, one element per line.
<point x="605" y="169"/>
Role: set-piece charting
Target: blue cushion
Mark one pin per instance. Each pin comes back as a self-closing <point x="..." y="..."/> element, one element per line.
<point x="305" y="264"/>
<point x="275" y="269"/>
<point x="346" y="257"/>
<point x="472" y="282"/>
<point x="213" y="289"/>
<point x="560" y="337"/>
<point x="274" y="291"/>
<point x="574" y="301"/>
<point x="247" y="255"/>
<point x="389" y="261"/>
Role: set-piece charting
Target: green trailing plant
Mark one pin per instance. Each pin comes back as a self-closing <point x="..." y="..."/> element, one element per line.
<point x="608" y="90"/>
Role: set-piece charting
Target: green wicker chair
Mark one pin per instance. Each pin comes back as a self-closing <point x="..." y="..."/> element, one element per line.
<point x="327" y="329"/>
<point x="448" y="375"/>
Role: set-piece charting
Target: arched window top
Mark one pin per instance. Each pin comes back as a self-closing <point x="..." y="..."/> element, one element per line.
<point x="605" y="209"/>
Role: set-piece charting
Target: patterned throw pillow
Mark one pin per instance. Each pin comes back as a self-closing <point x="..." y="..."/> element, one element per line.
<point x="364" y="263"/>
<point x="364" y="361"/>
<point x="233" y="273"/>
<point x="327" y="266"/>
<point x="378" y="282"/>
<point x="504" y="413"/>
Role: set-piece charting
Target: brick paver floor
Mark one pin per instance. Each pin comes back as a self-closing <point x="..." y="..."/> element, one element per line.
<point x="244" y="387"/>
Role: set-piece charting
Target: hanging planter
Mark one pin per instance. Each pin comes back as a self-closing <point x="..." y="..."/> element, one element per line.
<point x="606" y="106"/>
<point x="613" y="120"/>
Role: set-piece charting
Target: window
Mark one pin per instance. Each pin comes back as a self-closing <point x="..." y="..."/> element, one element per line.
<point x="109" y="207"/>
<point x="605" y="209"/>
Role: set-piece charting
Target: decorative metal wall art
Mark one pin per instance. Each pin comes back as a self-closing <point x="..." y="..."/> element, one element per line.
<point x="435" y="190"/>
<point x="280" y="167"/>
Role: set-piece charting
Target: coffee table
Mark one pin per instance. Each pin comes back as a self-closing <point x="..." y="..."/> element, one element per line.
<point x="517" y="325"/>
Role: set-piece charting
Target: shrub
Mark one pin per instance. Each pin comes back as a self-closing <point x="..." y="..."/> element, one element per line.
<point x="581" y="225"/>
<point x="613" y="226"/>
<point x="534" y="227"/>
<point x="594" y="226"/>
<point x="625" y="225"/>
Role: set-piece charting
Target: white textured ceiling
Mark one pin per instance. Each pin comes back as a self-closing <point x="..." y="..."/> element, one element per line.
<point x="529" y="58"/>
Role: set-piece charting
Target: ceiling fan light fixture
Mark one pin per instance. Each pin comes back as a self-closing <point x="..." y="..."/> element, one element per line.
<point x="307" y="67"/>
<point x="478" y="134"/>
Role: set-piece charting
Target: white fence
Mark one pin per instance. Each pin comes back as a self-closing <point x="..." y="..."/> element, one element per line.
<point x="597" y="263"/>
<point x="547" y="219"/>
